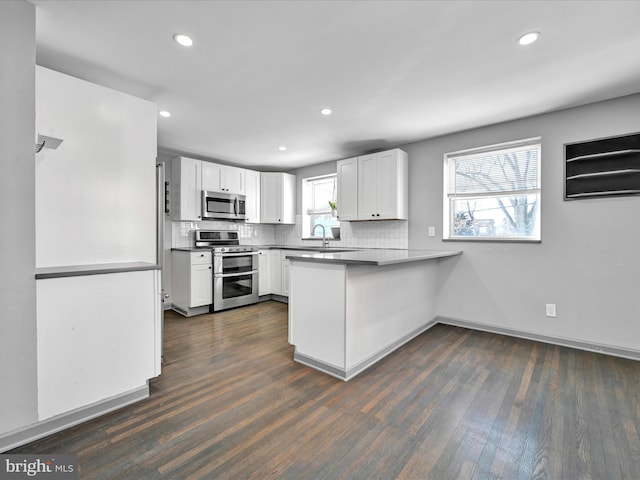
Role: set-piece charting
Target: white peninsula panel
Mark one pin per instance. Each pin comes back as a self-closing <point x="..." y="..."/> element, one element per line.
<point x="99" y="337"/>
<point x="349" y="310"/>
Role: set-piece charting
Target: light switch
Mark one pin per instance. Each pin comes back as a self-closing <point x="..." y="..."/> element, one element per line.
<point x="432" y="231"/>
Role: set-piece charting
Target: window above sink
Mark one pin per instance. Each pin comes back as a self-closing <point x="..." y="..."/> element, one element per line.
<point x="317" y="193"/>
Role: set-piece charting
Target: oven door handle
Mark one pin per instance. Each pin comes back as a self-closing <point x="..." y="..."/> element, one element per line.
<point x="229" y="275"/>
<point x="241" y="254"/>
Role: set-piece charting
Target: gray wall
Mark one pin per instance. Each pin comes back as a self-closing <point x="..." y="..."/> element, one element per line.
<point x="588" y="263"/>
<point x="18" y="374"/>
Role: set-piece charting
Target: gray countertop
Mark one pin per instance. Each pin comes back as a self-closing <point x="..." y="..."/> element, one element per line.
<point x="96" y="269"/>
<point x="314" y="247"/>
<point x="377" y="257"/>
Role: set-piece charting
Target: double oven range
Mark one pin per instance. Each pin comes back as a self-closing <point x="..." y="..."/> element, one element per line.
<point x="235" y="268"/>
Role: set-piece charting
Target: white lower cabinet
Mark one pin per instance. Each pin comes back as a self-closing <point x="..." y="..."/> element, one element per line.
<point x="264" y="272"/>
<point x="275" y="271"/>
<point x="286" y="264"/>
<point x="201" y="283"/>
<point x="192" y="274"/>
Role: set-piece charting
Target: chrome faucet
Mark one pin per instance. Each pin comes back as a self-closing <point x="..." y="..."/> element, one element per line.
<point x="325" y="242"/>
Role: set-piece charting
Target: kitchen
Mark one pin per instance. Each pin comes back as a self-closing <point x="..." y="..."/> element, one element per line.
<point x="586" y="263"/>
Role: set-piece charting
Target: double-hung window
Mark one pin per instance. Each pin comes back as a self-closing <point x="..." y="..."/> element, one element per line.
<point x="317" y="193"/>
<point x="493" y="193"/>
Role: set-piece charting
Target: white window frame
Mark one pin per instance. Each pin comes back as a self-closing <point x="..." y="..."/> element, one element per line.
<point x="449" y="197"/>
<point x="307" y="212"/>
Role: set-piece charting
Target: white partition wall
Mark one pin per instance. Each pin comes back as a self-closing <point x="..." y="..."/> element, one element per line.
<point x="89" y="352"/>
<point x="17" y="245"/>
<point x="95" y="193"/>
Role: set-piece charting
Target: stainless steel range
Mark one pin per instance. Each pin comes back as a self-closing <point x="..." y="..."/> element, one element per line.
<point x="235" y="268"/>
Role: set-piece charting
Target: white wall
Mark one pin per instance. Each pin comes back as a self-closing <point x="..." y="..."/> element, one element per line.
<point x="588" y="263"/>
<point x="18" y="395"/>
<point x="96" y="193"/>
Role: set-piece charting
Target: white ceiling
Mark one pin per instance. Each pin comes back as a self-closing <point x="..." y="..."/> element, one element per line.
<point x="392" y="71"/>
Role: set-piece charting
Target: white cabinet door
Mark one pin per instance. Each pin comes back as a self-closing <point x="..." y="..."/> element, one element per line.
<point x="222" y="178"/>
<point x="233" y="180"/>
<point x="347" y="189"/>
<point x="264" y="272"/>
<point x="212" y="177"/>
<point x="186" y="189"/>
<point x="275" y="265"/>
<point x="367" y="187"/>
<point x="201" y="292"/>
<point x="270" y="197"/>
<point x="387" y="185"/>
<point x="252" y="187"/>
<point x="277" y="198"/>
<point x="286" y="265"/>
<point x="383" y="186"/>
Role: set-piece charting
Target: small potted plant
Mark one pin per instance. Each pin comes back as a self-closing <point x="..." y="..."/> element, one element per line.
<point x="333" y="205"/>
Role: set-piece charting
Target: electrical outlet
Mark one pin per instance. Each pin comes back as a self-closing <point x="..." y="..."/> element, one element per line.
<point x="432" y="231"/>
<point x="551" y="309"/>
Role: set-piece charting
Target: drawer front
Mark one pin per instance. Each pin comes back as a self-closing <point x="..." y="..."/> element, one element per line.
<point x="199" y="258"/>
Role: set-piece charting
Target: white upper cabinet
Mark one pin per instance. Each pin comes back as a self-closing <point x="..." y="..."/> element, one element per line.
<point x="277" y="198"/>
<point x="382" y="186"/>
<point x="347" y="189"/>
<point x="252" y="207"/>
<point x="223" y="178"/>
<point x="233" y="180"/>
<point x="211" y="177"/>
<point x="186" y="189"/>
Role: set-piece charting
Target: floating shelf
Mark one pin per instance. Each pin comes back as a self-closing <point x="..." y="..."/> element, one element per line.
<point x="604" y="154"/>
<point x="602" y="168"/>
<point x="604" y="174"/>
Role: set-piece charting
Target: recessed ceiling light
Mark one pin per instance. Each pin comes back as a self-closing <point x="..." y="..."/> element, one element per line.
<point x="528" y="38"/>
<point x="326" y="111"/>
<point x="164" y="113"/>
<point x="282" y="148"/>
<point x="183" y="40"/>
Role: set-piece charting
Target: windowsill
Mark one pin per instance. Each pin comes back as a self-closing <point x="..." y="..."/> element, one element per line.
<point x="494" y="240"/>
<point x="331" y="239"/>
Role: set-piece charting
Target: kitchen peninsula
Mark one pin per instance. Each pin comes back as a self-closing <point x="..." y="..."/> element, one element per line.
<point x="348" y="310"/>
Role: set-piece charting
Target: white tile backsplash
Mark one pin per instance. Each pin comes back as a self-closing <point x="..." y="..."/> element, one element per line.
<point x="183" y="233"/>
<point x="376" y="234"/>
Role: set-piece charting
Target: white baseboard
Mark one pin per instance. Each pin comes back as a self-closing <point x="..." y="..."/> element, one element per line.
<point x="349" y="373"/>
<point x="565" y="342"/>
<point x="28" y="434"/>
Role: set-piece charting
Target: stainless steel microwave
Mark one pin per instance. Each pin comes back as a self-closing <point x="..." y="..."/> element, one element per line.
<point x="223" y="206"/>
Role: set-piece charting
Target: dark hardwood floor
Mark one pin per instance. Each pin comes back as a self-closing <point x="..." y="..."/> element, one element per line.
<point x="452" y="403"/>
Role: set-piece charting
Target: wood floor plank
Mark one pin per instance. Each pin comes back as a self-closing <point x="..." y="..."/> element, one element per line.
<point x="452" y="403"/>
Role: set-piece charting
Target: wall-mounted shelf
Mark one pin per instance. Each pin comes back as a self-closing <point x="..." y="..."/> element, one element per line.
<point x="601" y="168"/>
